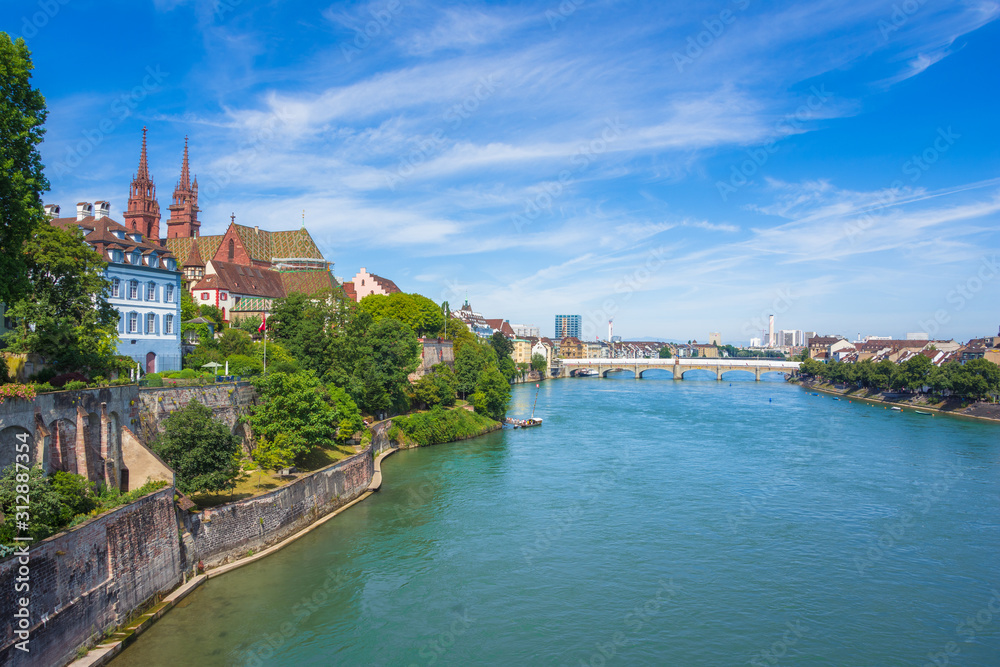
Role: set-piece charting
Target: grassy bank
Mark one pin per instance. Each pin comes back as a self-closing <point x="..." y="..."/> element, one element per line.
<point x="950" y="406"/>
<point x="438" y="425"/>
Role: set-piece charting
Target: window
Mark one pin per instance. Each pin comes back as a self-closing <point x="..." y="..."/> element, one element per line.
<point x="168" y="294"/>
<point x="150" y="323"/>
<point x="168" y="324"/>
<point x="232" y="250"/>
<point x="116" y="287"/>
<point x="204" y="296"/>
<point x="133" y="322"/>
<point x="223" y="296"/>
<point x="133" y="289"/>
<point x="136" y="258"/>
<point x="151" y="291"/>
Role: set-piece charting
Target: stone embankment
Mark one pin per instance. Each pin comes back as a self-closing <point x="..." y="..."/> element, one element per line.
<point x="949" y="406"/>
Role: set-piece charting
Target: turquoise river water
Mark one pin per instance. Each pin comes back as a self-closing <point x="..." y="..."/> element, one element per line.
<point x="647" y="522"/>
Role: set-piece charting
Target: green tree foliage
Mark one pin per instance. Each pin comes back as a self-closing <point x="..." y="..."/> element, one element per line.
<point x="977" y="379"/>
<point x="417" y="312"/>
<point x="470" y="362"/>
<point x="502" y="345"/>
<point x="65" y="317"/>
<point x="46" y="510"/>
<point x="538" y="363"/>
<point x="664" y="352"/>
<point x="211" y="313"/>
<point x="458" y="333"/>
<point x="234" y="341"/>
<point x="298" y="413"/>
<point x="440" y="425"/>
<point x="22" y="181"/>
<point x="272" y="454"/>
<point x="436" y="387"/>
<point x="189" y="309"/>
<point x="492" y="394"/>
<point x="371" y="360"/>
<point x="279" y="359"/>
<point x="245" y="365"/>
<point x="202" y="452"/>
<point x="75" y="494"/>
<point x="303" y="324"/>
<point x="914" y="373"/>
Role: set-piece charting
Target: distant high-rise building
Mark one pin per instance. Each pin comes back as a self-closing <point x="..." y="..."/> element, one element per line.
<point x="568" y="325"/>
<point x="917" y="336"/>
<point x="755" y="342"/>
<point x="806" y="336"/>
<point x="770" y="331"/>
<point x="715" y="338"/>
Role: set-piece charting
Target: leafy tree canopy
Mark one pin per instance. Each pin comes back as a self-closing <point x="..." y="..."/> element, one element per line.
<point x="303" y="324"/>
<point x="416" y="311"/>
<point x="65" y="317"/>
<point x="22" y="181"/>
<point x="202" y="452"/>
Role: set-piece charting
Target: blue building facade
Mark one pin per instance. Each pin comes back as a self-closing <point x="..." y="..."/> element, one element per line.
<point x="145" y="287"/>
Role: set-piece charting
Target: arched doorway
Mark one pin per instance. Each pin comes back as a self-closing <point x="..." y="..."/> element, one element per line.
<point x="151" y="362"/>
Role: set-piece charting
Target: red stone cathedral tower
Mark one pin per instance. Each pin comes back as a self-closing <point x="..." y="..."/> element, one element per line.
<point x="183" y="220"/>
<point x="143" y="213"/>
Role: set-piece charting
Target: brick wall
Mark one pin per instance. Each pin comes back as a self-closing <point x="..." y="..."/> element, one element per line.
<point x="91" y="578"/>
<point x="229" y="531"/>
<point x="228" y="403"/>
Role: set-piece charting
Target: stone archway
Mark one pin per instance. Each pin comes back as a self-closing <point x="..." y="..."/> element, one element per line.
<point x="63" y="434"/>
<point x="12" y="442"/>
<point x="151" y="362"/>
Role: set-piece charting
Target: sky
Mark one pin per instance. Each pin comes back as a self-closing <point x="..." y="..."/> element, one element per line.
<point x="678" y="167"/>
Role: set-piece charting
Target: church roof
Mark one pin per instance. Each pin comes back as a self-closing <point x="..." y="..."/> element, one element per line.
<point x="181" y="247"/>
<point x="307" y="282"/>
<point x="243" y="280"/>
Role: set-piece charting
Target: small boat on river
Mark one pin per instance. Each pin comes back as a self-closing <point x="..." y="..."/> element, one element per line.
<point x="895" y="408"/>
<point x="921" y="412"/>
<point x="530" y="421"/>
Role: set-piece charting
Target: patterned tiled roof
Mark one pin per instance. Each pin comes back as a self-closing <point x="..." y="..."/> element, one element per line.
<point x="265" y="246"/>
<point x="181" y="247"/>
<point x="308" y="282"/>
<point x="252" y="304"/>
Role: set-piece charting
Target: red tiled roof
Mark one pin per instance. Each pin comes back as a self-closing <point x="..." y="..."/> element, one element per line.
<point x="243" y="280"/>
<point x="350" y="291"/>
<point x="386" y="284"/>
<point x="307" y="282"/>
<point x="100" y="234"/>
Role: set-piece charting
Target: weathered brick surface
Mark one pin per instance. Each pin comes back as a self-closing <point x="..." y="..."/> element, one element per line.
<point x="229" y="531"/>
<point x="90" y="578"/>
<point x="228" y="402"/>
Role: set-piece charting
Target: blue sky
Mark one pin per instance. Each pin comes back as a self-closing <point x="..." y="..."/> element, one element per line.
<point x="680" y="167"/>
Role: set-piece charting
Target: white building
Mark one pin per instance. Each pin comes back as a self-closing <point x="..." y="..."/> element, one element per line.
<point x="526" y="330"/>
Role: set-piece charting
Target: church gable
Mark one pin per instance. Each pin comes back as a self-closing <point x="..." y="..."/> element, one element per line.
<point x="231" y="249"/>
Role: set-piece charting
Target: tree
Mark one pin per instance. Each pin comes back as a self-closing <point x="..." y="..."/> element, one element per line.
<point x="976" y="379"/>
<point x="538" y="363"/>
<point x="303" y="325"/>
<point x="45" y="515"/>
<point x="915" y="372"/>
<point x="211" y="313"/>
<point x="502" y="345"/>
<point x="812" y="367"/>
<point x="65" y="317"/>
<point x="380" y="381"/>
<point x="234" y="341"/>
<point x="295" y="411"/>
<point x="202" y="452"/>
<point x="470" y="361"/>
<point x="665" y="352"/>
<point x="436" y="387"/>
<point x="414" y="310"/>
<point x="492" y="394"/>
<point x="272" y="455"/>
<point x="75" y="494"/>
<point x="22" y="181"/>
<point x="189" y="309"/>
<point x="458" y="333"/>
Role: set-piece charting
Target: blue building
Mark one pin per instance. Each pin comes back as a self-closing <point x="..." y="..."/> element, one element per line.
<point x="568" y="326"/>
<point x="145" y="286"/>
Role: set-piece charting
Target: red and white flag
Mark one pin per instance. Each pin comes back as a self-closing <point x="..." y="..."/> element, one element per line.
<point x="263" y="323"/>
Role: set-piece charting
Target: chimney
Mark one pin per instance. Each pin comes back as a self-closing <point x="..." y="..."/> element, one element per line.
<point x="102" y="209"/>
<point x="84" y="209"/>
<point x="256" y="229"/>
<point x="52" y="210"/>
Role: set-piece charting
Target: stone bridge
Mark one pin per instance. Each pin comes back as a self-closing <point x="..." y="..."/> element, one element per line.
<point x="572" y="367"/>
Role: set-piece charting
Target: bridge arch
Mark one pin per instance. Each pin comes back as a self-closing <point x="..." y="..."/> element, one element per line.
<point x="618" y="369"/>
<point x="739" y="374"/>
<point x="658" y="372"/>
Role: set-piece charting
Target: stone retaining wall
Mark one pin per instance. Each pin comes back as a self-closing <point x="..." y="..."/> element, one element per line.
<point x="229" y="531"/>
<point x="88" y="580"/>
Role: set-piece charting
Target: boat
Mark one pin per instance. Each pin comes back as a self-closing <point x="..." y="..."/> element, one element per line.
<point x="530" y="421"/>
<point x="921" y="412"/>
<point x="836" y="399"/>
<point x="588" y="373"/>
<point x="895" y="408"/>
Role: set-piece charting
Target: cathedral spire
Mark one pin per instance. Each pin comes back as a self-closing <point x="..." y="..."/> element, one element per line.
<point x="143" y="212"/>
<point x="183" y="220"/>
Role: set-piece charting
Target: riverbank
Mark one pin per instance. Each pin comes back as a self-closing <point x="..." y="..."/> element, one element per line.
<point x="439" y="426"/>
<point x="953" y="407"/>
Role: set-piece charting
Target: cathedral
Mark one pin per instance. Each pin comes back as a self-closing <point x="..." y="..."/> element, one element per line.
<point x="240" y="271"/>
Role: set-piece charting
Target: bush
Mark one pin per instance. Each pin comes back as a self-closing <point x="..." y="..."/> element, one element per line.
<point x="186" y="374"/>
<point x="440" y="425"/>
<point x="43" y="388"/>
<point x="154" y="380"/>
<point x="61" y="380"/>
<point x="123" y="380"/>
<point x="43" y="375"/>
<point x="75" y="385"/>
<point x="240" y="364"/>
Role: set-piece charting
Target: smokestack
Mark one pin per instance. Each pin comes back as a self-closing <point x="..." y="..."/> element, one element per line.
<point x="84" y="210"/>
<point x="611" y="324"/>
<point x="770" y="331"/>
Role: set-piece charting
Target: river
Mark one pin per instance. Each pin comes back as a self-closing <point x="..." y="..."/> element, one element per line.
<point x="647" y="522"/>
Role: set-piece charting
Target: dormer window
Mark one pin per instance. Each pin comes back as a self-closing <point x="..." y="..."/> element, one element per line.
<point x="120" y="234"/>
<point x="136" y="258"/>
<point x="136" y="237"/>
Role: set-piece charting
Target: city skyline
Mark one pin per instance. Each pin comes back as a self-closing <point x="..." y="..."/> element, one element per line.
<point x="843" y="177"/>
